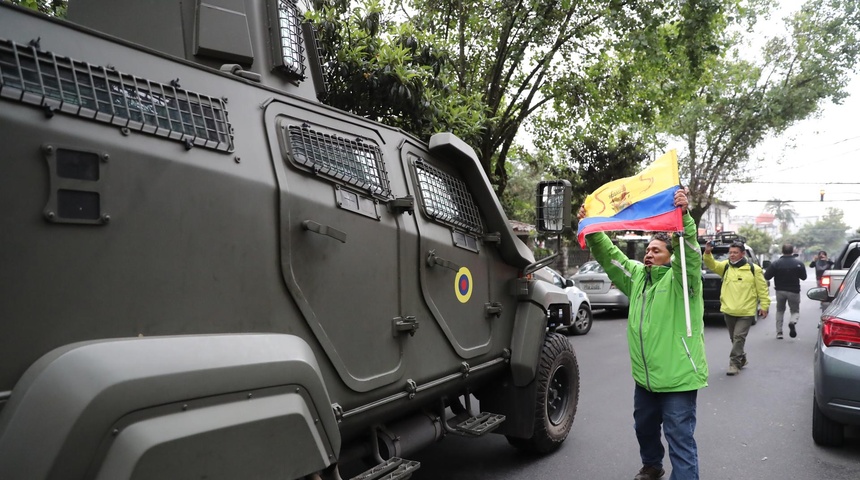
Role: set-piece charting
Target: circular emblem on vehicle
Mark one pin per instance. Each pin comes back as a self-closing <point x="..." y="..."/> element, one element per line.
<point x="463" y="284"/>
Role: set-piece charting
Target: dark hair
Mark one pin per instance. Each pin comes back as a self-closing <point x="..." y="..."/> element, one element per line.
<point x="787" y="249"/>
<point x="822" y="251"/>
<point x="665" y="238"/>
<point x="738" y="245"/>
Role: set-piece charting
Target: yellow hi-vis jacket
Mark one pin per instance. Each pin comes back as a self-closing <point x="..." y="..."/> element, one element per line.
<point x="742" y="291"/>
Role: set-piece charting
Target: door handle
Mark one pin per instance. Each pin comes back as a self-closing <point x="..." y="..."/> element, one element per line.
<point x="433" y="260"/>
<point x="332" y="232"/>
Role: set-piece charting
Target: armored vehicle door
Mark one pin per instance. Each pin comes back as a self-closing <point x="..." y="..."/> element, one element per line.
<point x="456" y="256"/>
<point x="339" y="244"/>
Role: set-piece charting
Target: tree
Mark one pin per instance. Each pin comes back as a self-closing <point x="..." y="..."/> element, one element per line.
<point x="744" y="101"/>
<point x="49" y="7"/>
<point x="828" y="233"/>
<point x="390" y="71"/>
<point x="783" y="212"/>
<point x="515" y="56"/>
<point x="757" y="239"/>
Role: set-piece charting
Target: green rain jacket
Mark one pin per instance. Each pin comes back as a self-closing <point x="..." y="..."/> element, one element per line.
<point x="662" y="357"/>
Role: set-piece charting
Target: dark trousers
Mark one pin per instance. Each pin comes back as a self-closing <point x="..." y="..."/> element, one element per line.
<point x="738" y="328"/>
<point x="676" y="413"/>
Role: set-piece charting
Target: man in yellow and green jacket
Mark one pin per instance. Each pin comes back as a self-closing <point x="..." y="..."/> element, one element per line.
<point x="743" y="294"/>
<point x="668" y="366"/>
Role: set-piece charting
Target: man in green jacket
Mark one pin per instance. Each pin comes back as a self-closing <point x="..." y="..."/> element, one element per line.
<point x="744" y="289"/>
<point x="668" y="366"/>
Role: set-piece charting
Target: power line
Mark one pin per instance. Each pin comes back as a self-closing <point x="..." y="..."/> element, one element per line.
<point x="794" y="201"/>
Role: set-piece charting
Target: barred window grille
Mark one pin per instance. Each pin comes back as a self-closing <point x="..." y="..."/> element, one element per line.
<point x="355" y="162"/>
<point x="446" y="199"/>
<point x="290" y="30"/>
<point x="105" y="95"/>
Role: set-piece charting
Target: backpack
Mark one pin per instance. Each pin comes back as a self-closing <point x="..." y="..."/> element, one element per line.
<point x="729" y="265"/>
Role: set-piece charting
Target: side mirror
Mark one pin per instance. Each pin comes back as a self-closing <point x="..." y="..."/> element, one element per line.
<point x="568" y="282"/>
<point x="553" y="206"/>
<point x="818" y="293"/>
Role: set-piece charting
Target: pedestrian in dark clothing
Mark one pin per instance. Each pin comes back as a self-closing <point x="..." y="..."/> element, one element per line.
<point x="787" y="272"/>
<point x="821" y="264"/>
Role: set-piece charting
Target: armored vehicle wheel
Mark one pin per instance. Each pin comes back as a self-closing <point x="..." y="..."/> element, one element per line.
<point x="581" y="321"/>
<point x="557" y="397"/>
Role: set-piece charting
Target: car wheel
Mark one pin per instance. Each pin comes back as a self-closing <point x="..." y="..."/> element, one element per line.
<point x="557" y="397"/>
<point x="825" y="431"/>
<point x="582" y="321"/>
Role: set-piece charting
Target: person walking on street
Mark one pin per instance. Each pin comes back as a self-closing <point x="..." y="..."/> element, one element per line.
<point x="665" y="388"/>
<point x="821" y="264"/>
<point x="787" y="272"/>
<point x="743" y="290"/>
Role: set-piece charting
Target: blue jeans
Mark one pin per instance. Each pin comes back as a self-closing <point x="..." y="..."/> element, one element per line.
<point x="676" y="411"/>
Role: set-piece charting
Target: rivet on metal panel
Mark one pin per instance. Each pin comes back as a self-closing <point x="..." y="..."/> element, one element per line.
<point x="184" y="407"/>
<point x="115" y="432"/>
<point x="105" y="218"/>
<point x="237" y="159"/>
<point x="49" y="215"/>
<point x="105" y="158"/>
<point x="250" y="395"/>
<point x="48" y="149"/>
<point x="125" y="131"/>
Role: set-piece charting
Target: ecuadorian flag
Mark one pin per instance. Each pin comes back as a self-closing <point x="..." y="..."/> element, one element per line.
<point x="642" y="202"/>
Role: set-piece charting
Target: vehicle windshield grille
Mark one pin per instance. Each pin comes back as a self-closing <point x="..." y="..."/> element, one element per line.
<point x="61" y="84"/>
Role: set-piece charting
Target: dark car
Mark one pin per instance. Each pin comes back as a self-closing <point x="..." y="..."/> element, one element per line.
<point x="713" y="283"/>
<point x="836" y="359"/>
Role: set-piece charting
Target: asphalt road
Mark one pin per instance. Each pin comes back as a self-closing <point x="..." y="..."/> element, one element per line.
<point x="756" y="425"/>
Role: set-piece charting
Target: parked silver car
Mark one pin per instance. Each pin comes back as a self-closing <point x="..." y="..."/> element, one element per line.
<point x="580" y="305"/>
<point x="836" y="357"/>
<point x="593" y="280"/>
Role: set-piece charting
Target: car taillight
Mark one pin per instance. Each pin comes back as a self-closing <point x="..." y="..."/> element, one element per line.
<point x="836" y="332"/>
<point x="825" y="281"/>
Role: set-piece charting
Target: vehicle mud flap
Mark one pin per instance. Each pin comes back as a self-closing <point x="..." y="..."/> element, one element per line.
<point x="394" y="468"/>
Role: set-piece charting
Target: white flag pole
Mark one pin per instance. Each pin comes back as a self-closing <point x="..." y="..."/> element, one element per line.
<point x="686" y="288"/>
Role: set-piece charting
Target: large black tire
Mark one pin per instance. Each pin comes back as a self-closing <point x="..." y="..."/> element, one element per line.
<point x="581" y="322"/>
<point x="557" y="397"/>
<point x="826" y="432"/>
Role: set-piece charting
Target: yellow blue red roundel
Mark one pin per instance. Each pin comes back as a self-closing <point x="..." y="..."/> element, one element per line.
<point x="463" y="284"/>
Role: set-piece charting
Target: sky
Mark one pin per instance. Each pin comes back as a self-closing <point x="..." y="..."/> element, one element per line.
<point x="816" y="154"/>
<point x="824" y="156"/>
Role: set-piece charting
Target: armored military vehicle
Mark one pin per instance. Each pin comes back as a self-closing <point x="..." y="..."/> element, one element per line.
<point x="207" y="273"/>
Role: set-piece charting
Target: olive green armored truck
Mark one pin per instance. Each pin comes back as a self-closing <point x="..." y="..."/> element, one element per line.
<point x="207" y="273"/>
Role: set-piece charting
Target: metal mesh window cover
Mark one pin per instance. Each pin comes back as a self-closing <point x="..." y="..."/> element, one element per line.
<point x="289" y="28"/>
<point x="445" y="198"/>
<point x="98" y="93"/>
<point x="351" y="161"/>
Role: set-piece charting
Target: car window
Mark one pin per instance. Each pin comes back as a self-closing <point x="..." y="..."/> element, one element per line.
<point x="590" y="267"/>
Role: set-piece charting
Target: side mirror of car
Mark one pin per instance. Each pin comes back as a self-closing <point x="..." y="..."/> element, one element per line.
<point x="553" y="206"/>
<point x="818" y="293"/>
<point x="568" y="282"/>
